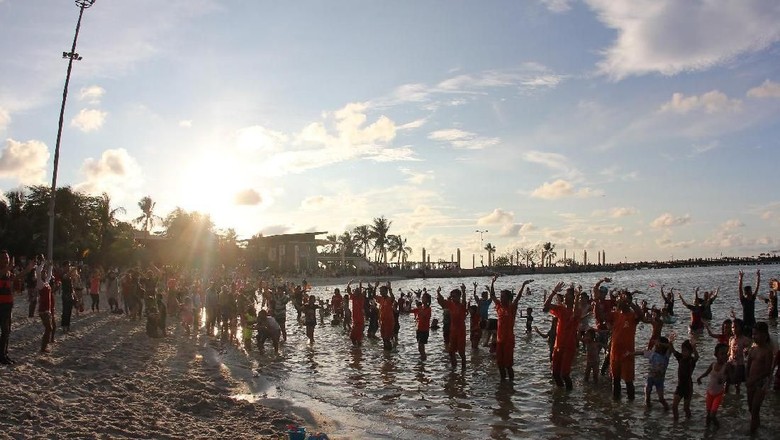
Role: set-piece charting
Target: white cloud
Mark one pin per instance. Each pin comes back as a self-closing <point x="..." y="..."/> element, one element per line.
<point x="560" y="189"/>
<point x="711" y="102"/>
<point x="671" y="36"/>
<point x="732" y="224"/>
<point x="412" y="93"/>
<point x="529" y="76"/>
<point x="417" y="178"/>
<point x="115" y="172"/>
<point x="89" y="120"/>
<point x="5" y="119"/>
<point x="185" y="123"/>
<point x="622" y="212"/>
<point x="554" y="161"/>
<point x="667" y="220"/>
<point x="92" y="94"/>
<point x="768" y="89"/>
<point x="463" y="139"/>
<point x="557" y="6"/>
<point x="24" y="161"/>
<point x="247" y="197"/>
<point x="498" y="216"/>
<point x="417" y="123"/>
<point x="260" y="139"/>
<point x="669" y="244"/>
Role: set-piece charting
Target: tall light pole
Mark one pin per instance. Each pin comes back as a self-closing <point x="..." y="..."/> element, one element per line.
<point x="481" y="231"/>
<point x="70" y="56"/>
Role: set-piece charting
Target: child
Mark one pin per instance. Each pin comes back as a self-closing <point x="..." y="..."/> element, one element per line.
<point x="686" y="363"/>
<point x="725" y="331"/>
<point x="529" y="319"/>
<point x="186" y="315"/>
<point x="659" y="361"/>
<point x="474" y="326"/>
<point x="658" y="325"/>
<point x="249" y="319"/>
<point x="422" y="315"/>
<point x="435" y="324"/>
<point x="310" y="317"/>
<point x="346" y="314"/>
<point x="267" y="328"/>
<point x="718" y="373"/>
<point x="738" y="344"/>
<point x="592" y="349"/>
<point x="456" y="306"/>
<point x="759" y="370"/>
<point x="550" y="335"/>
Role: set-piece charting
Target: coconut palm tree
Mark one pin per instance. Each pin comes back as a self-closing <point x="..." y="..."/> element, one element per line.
<point x="332" y="244"/>
<point x="397" y="245"/>
<point x="362" y="236"/>
<point x="106" y="218"/>
<point x="347" y="243"/>
<point x="147" y="218"/>
<point x="379" y="234"/>
<point x="548" y="253"/>
<point x="490" y="250"/>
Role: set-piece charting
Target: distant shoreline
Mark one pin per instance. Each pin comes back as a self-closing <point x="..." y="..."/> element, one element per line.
<point x="516" y="270"/>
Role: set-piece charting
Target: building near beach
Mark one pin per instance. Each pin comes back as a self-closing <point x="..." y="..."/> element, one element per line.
<point x="286" y="252"/>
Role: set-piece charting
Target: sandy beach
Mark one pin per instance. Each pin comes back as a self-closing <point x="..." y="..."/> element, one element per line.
<point x="107" y="379"/>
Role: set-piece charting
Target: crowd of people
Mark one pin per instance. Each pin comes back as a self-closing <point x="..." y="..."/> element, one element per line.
<point x="249" y="310"/>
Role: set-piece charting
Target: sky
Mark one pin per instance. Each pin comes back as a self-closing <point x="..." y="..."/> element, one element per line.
<point x="644" y="128"/>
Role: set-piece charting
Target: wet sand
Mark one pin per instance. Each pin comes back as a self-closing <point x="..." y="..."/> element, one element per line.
<point x="107" y="379"/>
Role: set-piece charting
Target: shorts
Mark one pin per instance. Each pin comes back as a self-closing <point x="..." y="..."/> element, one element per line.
<point x="422" y="336"/>
<point x="684" y="390"/>
<point x="738" y="374"/>
<point x="713" y="402"/>
<point x="655" y="382"/>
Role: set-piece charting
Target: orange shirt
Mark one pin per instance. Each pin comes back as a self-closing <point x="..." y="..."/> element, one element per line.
<point x="423" y="317"/>
<point x="506" y="321"/>
<point x="566" y="330"/>
<point x="624" y="330"/>
<point x="385" y="310"/>
<point x="457" y="316"/>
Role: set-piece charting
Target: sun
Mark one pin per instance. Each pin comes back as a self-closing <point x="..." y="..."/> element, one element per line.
<point x="210" y="182"/>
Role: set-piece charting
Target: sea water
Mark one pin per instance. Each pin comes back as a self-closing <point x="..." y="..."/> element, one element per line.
<point x="370" y="393"/>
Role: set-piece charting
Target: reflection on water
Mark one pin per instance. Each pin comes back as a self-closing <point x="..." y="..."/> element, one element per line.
<point x="396" y="395"/>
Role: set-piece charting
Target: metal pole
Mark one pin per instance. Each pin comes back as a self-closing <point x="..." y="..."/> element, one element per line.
<point x="72" y="55"/>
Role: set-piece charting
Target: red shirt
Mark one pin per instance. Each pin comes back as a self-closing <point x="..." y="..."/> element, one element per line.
<point x="506" y="321"/>
<point x="566" y="330"/>
<point x="423" y="317"/>
<point x="45" y="300"/>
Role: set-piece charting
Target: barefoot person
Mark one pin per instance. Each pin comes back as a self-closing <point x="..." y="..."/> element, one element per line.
<point x="7" y="302"/>
<point x="43" y="276"/>
<point x="686" y="363"/>
<point x="456" y="306"/>
<point x="506" y="309"/>
<point x="759" y="371"/>
<point x="747" y="298"/>
<point x="566" y="334"/>
<point x="385" y="301"/>
<point x="621" y="360"/>
<point x="422" y="315"/>
<point x="717" y="374"/>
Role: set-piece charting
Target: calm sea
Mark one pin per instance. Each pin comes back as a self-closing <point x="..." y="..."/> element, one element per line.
<point x="368" y="393"/>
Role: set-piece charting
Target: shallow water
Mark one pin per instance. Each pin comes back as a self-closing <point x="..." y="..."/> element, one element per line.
<point x="369" y="393"/>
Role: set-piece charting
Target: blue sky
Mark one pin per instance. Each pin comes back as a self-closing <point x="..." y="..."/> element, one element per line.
<point x="647" y="129"/>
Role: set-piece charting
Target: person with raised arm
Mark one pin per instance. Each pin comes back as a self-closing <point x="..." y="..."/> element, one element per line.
<point x="621" y="362"/>
<point x="483" y="304"/>
<point x="385" y="301"/>
<point x="566" y="335"/>
<point x="456" y="305"/>
<point x="771" y="300"/>
<point x="747" y="298"/>
<point x="506" y="309"/>
<point x="697" y="310"/>
<point x="358" y="313"/>
<point x="7" y="279"/>
<point x="668" y="300"/>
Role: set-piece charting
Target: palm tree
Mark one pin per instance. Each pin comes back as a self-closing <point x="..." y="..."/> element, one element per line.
<point x="106" y="217"/>
<point x="362" y="236"/>
<point x="528" y="255"/>
<point x="490" y="250"/>
<point x="347" y="243"/>
<point x="397" y="245"/>
<point x="548" y="253"/>
<point x="147" y="218"/>
<point x="379" y="235"/>
<point x="332" y="243"/>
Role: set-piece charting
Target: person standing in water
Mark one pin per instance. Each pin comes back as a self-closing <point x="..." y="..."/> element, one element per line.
<point x="506" y="309"/>
<point x="456" y="305"/>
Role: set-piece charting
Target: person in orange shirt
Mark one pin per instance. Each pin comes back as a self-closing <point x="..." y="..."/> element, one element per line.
<point x="506" y="309"/>
<point x="422" y="315"/>
<point x="621" y="352"/>
<point x="565" y="348"/>
<point x="456" y="305"/>
<point x="386" y="316"/>
<point x="358" y="314"/>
